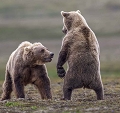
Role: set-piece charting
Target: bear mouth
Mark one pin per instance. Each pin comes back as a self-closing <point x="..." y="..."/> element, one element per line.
<point x="48" y="59"/>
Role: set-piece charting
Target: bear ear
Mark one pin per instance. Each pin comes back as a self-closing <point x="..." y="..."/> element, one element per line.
<point x="65" y="14"/>
<point x="78" y="11"/>
<point x="27" y="50"/>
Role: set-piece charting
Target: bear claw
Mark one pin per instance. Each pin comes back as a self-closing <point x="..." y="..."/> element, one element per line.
<point x="61" y="72"/>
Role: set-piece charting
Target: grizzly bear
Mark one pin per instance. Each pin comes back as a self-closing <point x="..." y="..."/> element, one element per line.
<point x="80" y="49"/>
<point x="26" y="65"/>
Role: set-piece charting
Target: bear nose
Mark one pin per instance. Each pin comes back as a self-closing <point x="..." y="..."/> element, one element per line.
<point x="51" y="54"/>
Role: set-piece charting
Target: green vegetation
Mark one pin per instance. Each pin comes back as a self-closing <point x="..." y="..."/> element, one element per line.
<point x="23" y="33"/>
<point x="13" y="104"/>
<point x="83" y="100"/>
<point x="33" y="107"/>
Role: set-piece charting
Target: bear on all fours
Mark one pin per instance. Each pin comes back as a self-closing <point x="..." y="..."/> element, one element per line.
<point x="26" y="65"/>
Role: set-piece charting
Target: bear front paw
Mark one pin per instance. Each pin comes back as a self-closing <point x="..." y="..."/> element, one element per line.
<point x="61" y="72"/>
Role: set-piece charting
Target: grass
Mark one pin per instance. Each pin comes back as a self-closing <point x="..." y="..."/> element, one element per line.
<point x="83" y="101"/>
<point x="20" y="33"/>
<point x="33" y="107"/>
<point x="110" y="69"/>
<point x="13" y="104"/>
<point x="107" y="34"/>
<point x="41" y="33"/>
<point x="21" y="105"/>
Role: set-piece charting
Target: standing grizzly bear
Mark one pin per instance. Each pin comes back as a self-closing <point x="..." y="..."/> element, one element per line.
<point x="80" y="49"/>
<point x="27" y="65"/>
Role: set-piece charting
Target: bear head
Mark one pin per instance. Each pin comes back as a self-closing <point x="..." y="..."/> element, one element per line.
<point x="72" y="20"/>
<point x="37" y="54"/>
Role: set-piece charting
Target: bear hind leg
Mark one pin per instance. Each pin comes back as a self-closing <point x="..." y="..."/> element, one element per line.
<point x="100" y="93"/>
<point x="7" y="87"/>
<point x="18" y="88"/>
<point x="43" y="87"/>
<point x="67" y="93"/>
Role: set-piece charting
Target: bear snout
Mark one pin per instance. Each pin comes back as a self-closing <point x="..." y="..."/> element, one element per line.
<point x="52" y="55"/>
<point x="49" y="57"/>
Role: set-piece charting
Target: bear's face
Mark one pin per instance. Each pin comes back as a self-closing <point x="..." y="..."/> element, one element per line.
<point x="64" y="30"/>
<point x="71" y="20"/>
<point x="38" y="54"/>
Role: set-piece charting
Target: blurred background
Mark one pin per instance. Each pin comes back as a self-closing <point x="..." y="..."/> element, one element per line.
<point x="41" y="21"/>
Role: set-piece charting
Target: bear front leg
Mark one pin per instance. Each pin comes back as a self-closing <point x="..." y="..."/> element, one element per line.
<point x="61" y="60"/>
<point x="43" y="86"/>
<point x="18" y="87"/>
<point x="7" y="87"/>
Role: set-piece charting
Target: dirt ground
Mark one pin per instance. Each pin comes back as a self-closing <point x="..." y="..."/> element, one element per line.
<point x="83" y="101"/>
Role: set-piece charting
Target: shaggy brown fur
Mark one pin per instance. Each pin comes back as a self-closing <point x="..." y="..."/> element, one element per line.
<point x="27" y="65"/>
<point x="80" y="49"/>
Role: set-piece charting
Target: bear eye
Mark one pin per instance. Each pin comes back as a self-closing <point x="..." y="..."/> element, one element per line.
<point x="42" y="50"/>
<point x="70" y="18"/>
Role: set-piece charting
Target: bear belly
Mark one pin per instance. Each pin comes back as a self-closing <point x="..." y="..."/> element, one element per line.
<point x="26" y="76"/>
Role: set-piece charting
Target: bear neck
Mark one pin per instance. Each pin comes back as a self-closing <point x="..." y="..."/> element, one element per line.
<point x="77" y="26"/>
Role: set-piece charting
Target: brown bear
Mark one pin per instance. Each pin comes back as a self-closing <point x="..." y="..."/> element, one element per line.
<point x="80" y="49"/>
<point x="26" y="65"/>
